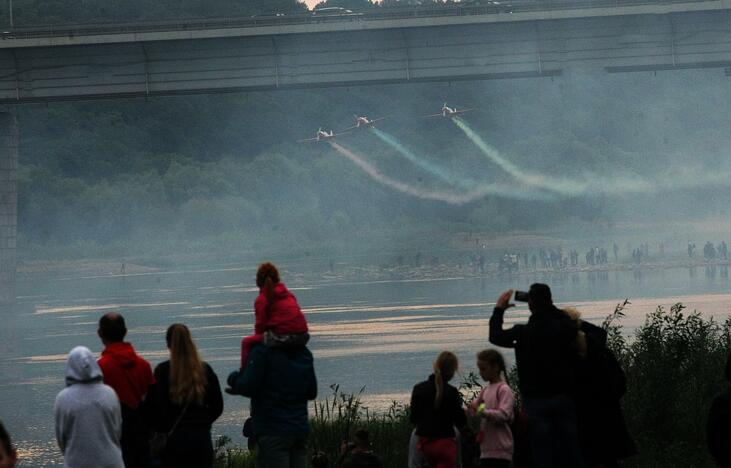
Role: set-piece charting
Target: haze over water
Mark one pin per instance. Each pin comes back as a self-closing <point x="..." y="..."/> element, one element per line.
<point x="381" y="335"/>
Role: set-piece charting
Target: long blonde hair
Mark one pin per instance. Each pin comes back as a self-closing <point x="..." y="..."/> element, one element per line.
<point x="187" y="374"/>
<point x="444" y="367"/>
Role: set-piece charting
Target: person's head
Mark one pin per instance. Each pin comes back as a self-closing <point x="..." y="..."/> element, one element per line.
<point x="8" y="454"/>
<point x="320" y="460"/>
<point x="112" y="328"/>
<point x="362" y="439"/>
<point x="187" y="374"/>
<point x="266" y="274"/>
<point x="491" y="365"/>
<point x="445" y="366"/>
<point x="539" y="297"/>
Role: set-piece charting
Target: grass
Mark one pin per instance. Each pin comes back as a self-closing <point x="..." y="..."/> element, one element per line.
<point x="674" y="365"/>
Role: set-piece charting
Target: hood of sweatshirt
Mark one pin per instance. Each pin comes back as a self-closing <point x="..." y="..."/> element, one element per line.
<point x="81" y="367"/>
<point x="280" y="291"/>
<point x="121" y="353"/>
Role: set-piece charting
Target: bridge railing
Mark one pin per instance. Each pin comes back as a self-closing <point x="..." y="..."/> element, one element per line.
<point x="503" y="7"/>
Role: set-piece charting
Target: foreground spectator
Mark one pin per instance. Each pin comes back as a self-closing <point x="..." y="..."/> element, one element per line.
<point x="718" y="430"/>
<point x="359" y="453"/>
<point x="8" y="454"/>
<point x="88" y="416"/>
<point x="130" y="376"/>
<point x="600" y="386"/>
<point x="546" y="355"/>
<point x="185" y="399"/>
<point x="280" y="380"/>
<point x="495" y="406"/>
<point x="278" y="317"/>
<point x="436" y="408"/>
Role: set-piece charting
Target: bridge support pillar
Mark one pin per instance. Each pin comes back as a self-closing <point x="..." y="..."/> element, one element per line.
<point x="8" y="205"/>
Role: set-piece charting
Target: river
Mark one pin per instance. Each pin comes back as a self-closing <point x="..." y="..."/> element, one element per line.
<point x="381" y="335"/>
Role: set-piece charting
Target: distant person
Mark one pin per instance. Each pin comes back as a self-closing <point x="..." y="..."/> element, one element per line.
<point x="718" y="429"/>
<point x="495" y="406"/>
<point x="545" y="354"/>
<point x="436" y="409"/>
<point x="359" y="453"/>
<point x="184" y="402"/>
<point x="88" y="417"/>
<point x="8" y="454"/>
<point x="130" y="376"/>
<point x="280" y="380"/>
<point x="278" y="317"/>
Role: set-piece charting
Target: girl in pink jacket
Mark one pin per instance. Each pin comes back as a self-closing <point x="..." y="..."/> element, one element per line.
<point x="494" y="405"/>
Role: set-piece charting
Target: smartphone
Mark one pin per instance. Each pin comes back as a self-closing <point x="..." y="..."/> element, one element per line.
<point x="521" y="296"/>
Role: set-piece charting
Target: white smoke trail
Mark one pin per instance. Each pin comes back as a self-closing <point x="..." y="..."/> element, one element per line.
<point x="454" y="199"/>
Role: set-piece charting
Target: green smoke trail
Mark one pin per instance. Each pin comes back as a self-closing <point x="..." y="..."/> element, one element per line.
<point x="432" y="169"/>
<point x="467" y="184"/>
<point x="502" y="190"/>
<point x="561" y="186"/>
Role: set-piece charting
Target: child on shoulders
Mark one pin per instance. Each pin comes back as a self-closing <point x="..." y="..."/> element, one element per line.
<point x="279" y="321"/>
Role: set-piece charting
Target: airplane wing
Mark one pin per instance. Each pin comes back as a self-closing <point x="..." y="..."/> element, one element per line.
<point x="378" y="120"/>
<point x="462" y="111"/>
<point x="342" y="133"/>
<point x="348" y="130"/>
<point x="307" y="139"/>
<point x="433" y="115"/>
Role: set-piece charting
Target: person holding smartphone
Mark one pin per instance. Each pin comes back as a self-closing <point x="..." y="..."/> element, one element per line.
<point x="545" y="354"/>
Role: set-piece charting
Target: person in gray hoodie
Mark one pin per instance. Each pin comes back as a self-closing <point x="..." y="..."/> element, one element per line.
<point x="88" y="416"/>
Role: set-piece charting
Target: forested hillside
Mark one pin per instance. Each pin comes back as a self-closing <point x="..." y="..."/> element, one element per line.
<point x="109" y="177"/>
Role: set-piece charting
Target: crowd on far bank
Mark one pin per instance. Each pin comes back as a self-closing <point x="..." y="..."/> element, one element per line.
<point x="117" y="412"/>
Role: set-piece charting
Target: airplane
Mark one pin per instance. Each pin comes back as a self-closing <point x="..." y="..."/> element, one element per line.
<point x="363" y="122"/>
<point x="322" y="135"/>
<point x="450" y="111"/>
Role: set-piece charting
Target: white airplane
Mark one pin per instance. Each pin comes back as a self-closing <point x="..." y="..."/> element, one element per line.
<point x="363" y="122"/>
<point x="450" y="111"/>
<point x="322" y="135"/>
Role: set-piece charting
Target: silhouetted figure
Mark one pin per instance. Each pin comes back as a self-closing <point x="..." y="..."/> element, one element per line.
<point x="280" y="381"/>
<point x="600" y="385"/>
<point x="8" y="454"/>
<point x="545" y="356"/>
<point x="718" y="430"/>
<point x="436" y="409"/>
<point x="184" y="402"/>
<point x="691" y="249"/>
<point x="615" y="247"/>
<point x="359" y="453"/>
<point x="723" y="250"/>
<point x="130" y="376"/>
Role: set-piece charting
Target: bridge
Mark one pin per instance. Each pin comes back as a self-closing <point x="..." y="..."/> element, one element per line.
<point x="515" y="39"/>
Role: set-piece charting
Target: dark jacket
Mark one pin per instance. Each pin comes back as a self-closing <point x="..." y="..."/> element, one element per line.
<point x="600" y="385"/>
<point x="436" y="423"/>
<point x="163" y="413"/>
<point x="718" y="430"/>
<point x="280" y="381"/>
<point x="545" y="350"/>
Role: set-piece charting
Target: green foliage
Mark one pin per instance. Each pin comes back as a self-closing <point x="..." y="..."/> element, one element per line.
<point x="674" y="367"/>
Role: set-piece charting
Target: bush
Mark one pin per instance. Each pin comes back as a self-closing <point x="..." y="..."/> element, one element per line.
<point x="674" y="366"/>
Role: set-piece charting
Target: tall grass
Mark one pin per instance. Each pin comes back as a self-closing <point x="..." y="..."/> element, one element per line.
<point x="674" y="365"/>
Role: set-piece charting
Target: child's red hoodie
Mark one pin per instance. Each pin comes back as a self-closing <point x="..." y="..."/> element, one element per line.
<point x="280" y="313"/>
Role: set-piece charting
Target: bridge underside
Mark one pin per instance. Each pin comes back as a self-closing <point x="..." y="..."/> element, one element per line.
<point x="438" y="53"/>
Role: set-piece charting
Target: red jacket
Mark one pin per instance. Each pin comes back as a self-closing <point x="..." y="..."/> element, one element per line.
<point x="126" y="372"/>
<point x="282" y="314"/>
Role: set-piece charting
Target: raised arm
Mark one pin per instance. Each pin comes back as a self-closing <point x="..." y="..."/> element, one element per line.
<point x="498" y="335"/>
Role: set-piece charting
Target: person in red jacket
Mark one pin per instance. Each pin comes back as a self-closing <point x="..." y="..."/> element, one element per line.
<point x="278" y="318"/>
<point x="130" y="376"/>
